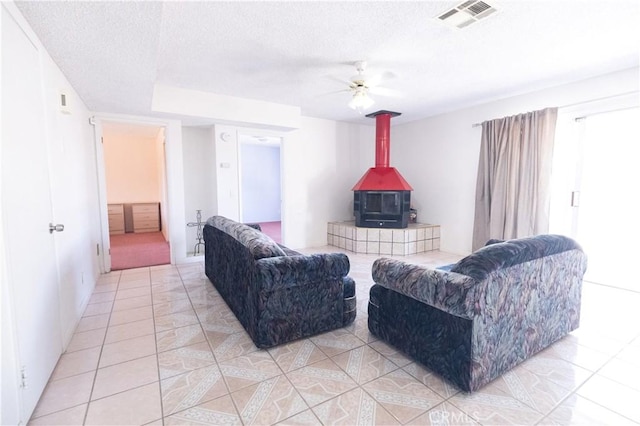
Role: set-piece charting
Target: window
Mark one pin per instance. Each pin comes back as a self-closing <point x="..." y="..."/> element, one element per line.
<point x="382" y="202"/>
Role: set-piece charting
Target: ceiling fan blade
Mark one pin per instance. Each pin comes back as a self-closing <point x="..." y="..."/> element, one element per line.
<point x="334" y="92"/>
<point x="342" y="81"/>
<point x="374" y="81"/>
<point x="383" y="91"/>
<point x="377" y="79"/>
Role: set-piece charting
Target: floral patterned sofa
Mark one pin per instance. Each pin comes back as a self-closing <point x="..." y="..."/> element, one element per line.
<point x="490" y="311"/>
<point x="276" y="293"/>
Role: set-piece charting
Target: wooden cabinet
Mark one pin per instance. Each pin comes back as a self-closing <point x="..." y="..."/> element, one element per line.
<point x="146" y="217"/>
<point x="116" y="219"/>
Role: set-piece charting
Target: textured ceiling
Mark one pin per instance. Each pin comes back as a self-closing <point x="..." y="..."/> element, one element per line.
<point x="296" y="53"/>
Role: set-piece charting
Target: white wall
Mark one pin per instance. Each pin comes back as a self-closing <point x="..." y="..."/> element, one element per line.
<point x="439" y="155"/>
<point x="225" y="109"/>
<point x="227" y="171"/>
<point x="176" y="217"/>
<point x="132" y="169"/>
<point x="322" y="161"/>
<point x="199" y="178"/>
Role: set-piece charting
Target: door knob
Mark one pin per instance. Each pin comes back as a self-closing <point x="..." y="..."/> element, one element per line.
<point x="58" y="228"/>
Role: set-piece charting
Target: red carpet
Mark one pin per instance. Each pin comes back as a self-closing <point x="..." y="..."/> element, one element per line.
<point x="138" y="250"/>
<point x="272" y="229"/>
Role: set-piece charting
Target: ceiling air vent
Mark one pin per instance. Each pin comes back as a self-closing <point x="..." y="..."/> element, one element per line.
<point x="467" y="13"/>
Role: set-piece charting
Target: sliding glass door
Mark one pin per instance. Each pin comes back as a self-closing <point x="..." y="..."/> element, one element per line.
<point x="608" y="215"/>
<point x="601" y="210"/>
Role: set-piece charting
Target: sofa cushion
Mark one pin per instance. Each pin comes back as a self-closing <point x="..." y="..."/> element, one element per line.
<point x="260" y="245"/>
<point x="505" y="254"/>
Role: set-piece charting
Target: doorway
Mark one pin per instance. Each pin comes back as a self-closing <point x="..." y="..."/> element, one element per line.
<point x="260" y="183"/>
<point x="135" y="178"/>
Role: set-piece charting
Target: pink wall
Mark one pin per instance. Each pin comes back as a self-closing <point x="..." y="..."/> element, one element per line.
<point x="131" y="167"/>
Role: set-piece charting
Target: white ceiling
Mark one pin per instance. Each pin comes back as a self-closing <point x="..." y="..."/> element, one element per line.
<point x="296" y="53"/>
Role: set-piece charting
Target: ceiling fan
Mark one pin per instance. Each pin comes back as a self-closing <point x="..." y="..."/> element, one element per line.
<point x="361" y="85"/>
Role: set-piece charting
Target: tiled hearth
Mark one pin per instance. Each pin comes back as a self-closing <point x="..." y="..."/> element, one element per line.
<point x="416" y="238"/>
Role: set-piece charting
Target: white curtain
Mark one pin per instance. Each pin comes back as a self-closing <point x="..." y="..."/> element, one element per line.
<point x="512" y="191"/>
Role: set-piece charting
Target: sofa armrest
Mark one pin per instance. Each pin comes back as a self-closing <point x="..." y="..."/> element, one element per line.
<point x="447" y="291"/>
<point x="291" y="271"/>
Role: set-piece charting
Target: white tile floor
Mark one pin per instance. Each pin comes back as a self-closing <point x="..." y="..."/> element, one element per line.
<point x="159" y="346"/>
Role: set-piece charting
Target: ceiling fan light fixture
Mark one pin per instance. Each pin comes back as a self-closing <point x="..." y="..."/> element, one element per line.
<point x="360" y="101"/>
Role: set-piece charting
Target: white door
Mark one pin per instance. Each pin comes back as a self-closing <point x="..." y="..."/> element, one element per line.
<point x="31" y="258"/>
